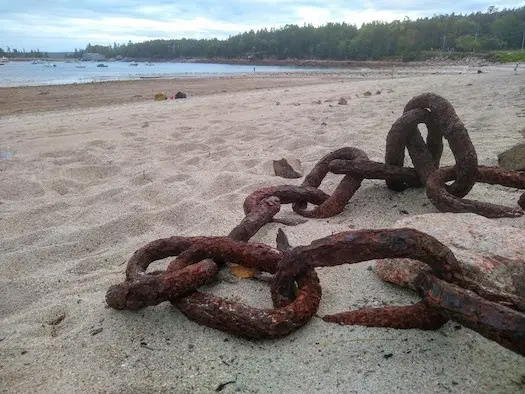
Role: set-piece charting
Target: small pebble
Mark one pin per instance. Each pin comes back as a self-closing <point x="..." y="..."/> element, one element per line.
<point x="96" y="331"/>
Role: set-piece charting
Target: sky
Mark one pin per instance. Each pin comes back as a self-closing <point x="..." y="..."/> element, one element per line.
<point x="63" y="25"/>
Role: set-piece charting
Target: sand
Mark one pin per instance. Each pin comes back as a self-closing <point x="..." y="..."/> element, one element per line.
<point x="83" y="188"/>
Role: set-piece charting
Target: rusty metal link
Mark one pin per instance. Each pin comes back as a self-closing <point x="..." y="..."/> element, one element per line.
<point x="362" y="245"/>
<point x="403" y="134"/>
<point x="493" y="320"/>
<point x="198" y="261"/>
<point x="336" y="203"/>
<point x="444" y="122"/>
<point x="446" y="202"/>
<point x="179" y="285"/>
<point x="447" y="294"/>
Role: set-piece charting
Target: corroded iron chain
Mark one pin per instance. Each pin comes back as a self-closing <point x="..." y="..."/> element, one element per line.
<point x="296" y="292"/>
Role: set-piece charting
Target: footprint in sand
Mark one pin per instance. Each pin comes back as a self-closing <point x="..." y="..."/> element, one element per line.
<point x="20" y="189"/>
<point x="58" y="154"/>
<point x="92" y="173"/>
<point x="177" y="178"/>
<point x="113" y="232"/>
<point x="194" y="161"/>
<point x="185" y="147"/>
<point x="65" y="186"/>
<point x="101" y="144"/>
<point x="250" y="163"/>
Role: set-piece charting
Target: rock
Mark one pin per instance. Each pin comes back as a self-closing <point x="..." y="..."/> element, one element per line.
<point x="342" y="101"/>
<point x="378" y="92"/>
<point x="480" y="71"/>
<point x="180" y="95"/>
<point x="489" y="253"/>
<point x="160" y="97"/>
<point x="513" y="159"/>
<point x="277" y="103"/>
<point x="366" y="94"/>
<point x="289" y="169"/>
<point x="316" y="102"/>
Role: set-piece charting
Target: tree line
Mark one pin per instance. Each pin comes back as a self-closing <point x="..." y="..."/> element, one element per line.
<point x="476" y="32"/>
<point x="492" y="30"/>
<point x="33" y="53"/>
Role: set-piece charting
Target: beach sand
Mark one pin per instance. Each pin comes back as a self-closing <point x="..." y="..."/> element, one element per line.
<point x="83" y="187"/>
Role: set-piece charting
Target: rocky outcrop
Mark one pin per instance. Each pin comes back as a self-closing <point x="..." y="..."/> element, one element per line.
<point x="489" y="253"/>
<point x="513" y="159"/>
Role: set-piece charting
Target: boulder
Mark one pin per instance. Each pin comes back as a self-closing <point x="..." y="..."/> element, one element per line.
<point x="488" y="252"/>
<point x="342" y="101"/>
<point x="160" y="97"/>
<point x="513" y="159"/>
<point x="180" y="95"/>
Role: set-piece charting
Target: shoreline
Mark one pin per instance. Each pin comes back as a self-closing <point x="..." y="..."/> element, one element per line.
<point x="301" y="63"/>
<point x="44" y="98"/>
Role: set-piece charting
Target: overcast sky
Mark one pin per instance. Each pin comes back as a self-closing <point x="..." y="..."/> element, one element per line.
<point x="62" y="25"/>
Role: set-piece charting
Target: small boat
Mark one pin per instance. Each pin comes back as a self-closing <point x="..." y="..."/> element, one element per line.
<point x="149" y="64"/>
<point x="133" y="64"/>
<point x="151" y="77"/>
<point x="101" y="65"/>
<point x="80" y="66"/>
<point x="4" y="60"/>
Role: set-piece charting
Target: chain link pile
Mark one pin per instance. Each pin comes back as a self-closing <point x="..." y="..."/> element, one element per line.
<point x="296" y="292"/>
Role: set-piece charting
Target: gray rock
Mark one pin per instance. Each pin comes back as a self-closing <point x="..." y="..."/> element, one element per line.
<point x="342" y="101"/>
<point x="513" y="159"/>
<point x="289" y="169"/>
<point x="489" y="253"/>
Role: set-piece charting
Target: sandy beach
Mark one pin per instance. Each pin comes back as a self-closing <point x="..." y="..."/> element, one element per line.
<point x="90" y="173"/>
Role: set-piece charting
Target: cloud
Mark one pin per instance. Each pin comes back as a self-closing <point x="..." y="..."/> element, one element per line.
<point x="61" y="25"/>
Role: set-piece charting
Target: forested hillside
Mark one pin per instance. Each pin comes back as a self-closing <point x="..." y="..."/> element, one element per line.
<point x="477" y="32"/>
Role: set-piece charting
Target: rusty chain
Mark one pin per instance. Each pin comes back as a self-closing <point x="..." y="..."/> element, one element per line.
<point x="296" y="292"/>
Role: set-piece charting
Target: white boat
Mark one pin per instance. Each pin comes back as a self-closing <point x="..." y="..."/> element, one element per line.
<point x="3" y="60"/>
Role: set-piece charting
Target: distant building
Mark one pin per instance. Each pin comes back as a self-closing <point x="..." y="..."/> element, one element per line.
<point x="93" y="56"/>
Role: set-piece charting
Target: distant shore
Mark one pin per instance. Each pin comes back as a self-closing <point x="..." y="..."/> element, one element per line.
<point x="44" y="98"/>
<point x="302" y="63"/>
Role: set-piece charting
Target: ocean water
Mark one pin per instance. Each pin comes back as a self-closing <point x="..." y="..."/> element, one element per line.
<point x="26" y="73"/>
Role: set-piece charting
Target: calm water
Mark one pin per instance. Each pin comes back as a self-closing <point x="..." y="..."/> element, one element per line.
<point x="26" y="73"/>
